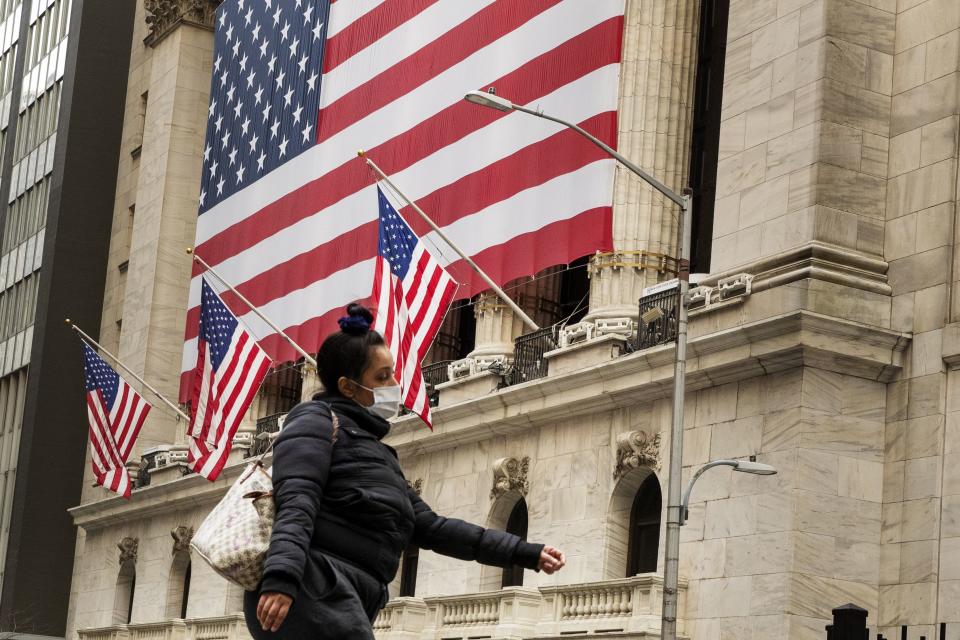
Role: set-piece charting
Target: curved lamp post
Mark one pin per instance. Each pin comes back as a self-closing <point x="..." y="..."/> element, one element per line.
<point x="671" y="570"/>
<point x="743" y="466"/>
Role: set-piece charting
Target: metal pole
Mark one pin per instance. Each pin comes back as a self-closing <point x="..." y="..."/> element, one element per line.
<point x="250" y="305"/>
<point x="83" y="335"/>
<point x="500" y="292"/>
<point x="671" y="574"/>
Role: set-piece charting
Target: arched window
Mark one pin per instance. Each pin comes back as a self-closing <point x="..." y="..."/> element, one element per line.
<point x="408" y="571"/>
<point x="178" y="587"/>
<point x="517" y="525"/>
<point x="643" y="540"/>
<point x="123" y="597"/>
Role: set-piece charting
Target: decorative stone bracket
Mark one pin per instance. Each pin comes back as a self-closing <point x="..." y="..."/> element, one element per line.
<point x="164" y="16"/>
<point x="636" y="449"/>
<point x="417" y="486"/>
<point x="128" y="549"/>
<point x="181" y="538"/>
<point x="510" y="474"/>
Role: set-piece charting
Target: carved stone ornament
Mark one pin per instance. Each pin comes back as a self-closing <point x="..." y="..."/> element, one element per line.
<point x="163" y="16"/>
<point x="128" y="549"/>
<point x="181" y="538"/>
<point x="510" y="474"/>
<point x="417" y="486"/>
<point x="636" y="449"/>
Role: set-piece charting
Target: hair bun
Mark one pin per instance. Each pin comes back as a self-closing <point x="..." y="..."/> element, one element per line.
<point x="357" y="321"/>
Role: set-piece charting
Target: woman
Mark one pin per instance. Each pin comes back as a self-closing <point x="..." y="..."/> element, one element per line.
<point x="345" y="513"/>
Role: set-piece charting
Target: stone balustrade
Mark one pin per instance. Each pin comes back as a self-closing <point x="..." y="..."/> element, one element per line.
<point x="230" y="627"/>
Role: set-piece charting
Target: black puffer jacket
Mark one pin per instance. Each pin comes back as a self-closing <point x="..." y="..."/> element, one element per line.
<point x="349" y="500"/>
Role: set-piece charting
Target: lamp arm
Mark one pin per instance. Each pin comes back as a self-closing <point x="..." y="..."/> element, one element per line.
<point x="684" y="511"/>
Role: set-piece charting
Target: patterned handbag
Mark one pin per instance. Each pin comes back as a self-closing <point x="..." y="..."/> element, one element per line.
<point x="235" y="535"/>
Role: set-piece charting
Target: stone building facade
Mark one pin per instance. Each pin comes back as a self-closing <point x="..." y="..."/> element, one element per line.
<point x="824" y="342"/>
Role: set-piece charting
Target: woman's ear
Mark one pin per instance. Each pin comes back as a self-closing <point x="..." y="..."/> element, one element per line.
<point x="346" y="389"/>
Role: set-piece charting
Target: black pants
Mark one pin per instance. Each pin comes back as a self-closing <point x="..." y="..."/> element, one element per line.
<point x="337" y="601"/>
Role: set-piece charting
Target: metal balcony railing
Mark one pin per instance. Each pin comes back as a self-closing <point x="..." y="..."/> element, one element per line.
<point x="528" y="361"/>
<point x="658" y="319"/>
<point x="435" y="374"/>
<point x="265" y="426"/>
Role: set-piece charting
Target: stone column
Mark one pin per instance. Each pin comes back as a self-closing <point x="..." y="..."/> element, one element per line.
<point x="498" y="326"/>
<point x="174" y="84"/>
<point x="311" y="382"/>
<point x="656" y="94"/>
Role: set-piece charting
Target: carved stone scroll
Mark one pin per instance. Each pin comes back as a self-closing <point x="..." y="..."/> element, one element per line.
<point x="163" y="16"/>
<point x="128" y="549"/>
<point x="181" y="538"/>
<point x="417" y="486"/>
<point x="636" y="449"/>
<point x="510" y="474"/>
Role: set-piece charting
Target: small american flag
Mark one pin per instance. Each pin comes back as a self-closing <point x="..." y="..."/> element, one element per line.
<point x="116" y="413"/>
<point x="412" y="292"/>
<point x="299" y="85"/>
<point x="230" y="367"/>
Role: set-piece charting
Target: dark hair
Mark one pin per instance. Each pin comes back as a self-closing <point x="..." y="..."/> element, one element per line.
<point x="346" y="353"/>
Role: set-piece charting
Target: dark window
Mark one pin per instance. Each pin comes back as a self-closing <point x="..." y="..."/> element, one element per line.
<point x="574" y="291"/>
<point x="186" y="590"/>
<point x="408" y="572"/>
<point x="281" y="390"/>
<point x="133" y="588"/>
<point x="457" y="335"/>
<point x="517" y="525"/>
<point x="644" y="533"/>
<point x="705" y="142"/>
<point x="123" y="599"/>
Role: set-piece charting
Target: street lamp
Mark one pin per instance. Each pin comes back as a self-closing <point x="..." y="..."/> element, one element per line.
<point x="671" y="575"/>
<point x="743" y="466"/>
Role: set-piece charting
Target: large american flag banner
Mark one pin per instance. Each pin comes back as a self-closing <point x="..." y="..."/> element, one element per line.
<point x="229" y="369"/>
<point x="413" y="293"/>
<point x="116" y="413"/>
<point x="300" y="85"/>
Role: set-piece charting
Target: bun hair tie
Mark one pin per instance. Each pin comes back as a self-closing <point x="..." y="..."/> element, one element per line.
<point x="354" y="325"/>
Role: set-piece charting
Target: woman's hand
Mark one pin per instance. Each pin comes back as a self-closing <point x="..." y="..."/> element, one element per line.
<point x="273" y="608"/>
<point x="551" y="560"/>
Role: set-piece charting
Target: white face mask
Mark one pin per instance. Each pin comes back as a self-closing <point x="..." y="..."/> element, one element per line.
<point x="386" y="401"/>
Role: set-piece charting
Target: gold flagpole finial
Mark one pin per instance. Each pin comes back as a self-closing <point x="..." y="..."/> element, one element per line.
<point x="361" y="153"/>
<point x="189" y="251"/>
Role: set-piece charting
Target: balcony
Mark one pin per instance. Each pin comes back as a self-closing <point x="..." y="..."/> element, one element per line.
<point x="232" y="627"/>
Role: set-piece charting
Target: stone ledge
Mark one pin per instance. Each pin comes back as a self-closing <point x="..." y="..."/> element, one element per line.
<point x="585" y="354"/>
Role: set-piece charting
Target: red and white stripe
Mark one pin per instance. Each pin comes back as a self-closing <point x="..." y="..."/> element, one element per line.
<point x="409" y="314"/>
<point x="112" y="434"/>
<point x="220" y="400"/>
<point x="518" y="195"/>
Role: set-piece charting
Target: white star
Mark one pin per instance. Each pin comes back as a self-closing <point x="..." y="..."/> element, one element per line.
<point x="256" y="33"/>
<point x="293" y="47"/>
<point x="233" y="89"/>
<point x="230" y="33"/>
<point x="274" y="128"/>
<point x="220" y="186"/>
<point x="283" y="146"/>
<point x="206" y="153"/>
<point x="308" y="15"/>
<point x="223" y="78"/>
<point x="283" y="74"/>
<point x="251" y="78"/>
<point x="226" y="139"/>
<point x="311" y="81"/>
<point x="240" y="174"/>
<point x="270" y="65"/>
<point x="258" y="95"/>
<point x="298" y="3"/>
<point x="316" y="31"/>
<point x="266" y="112"/>
<point x="253" y="143"/>
<point x="276" y="16"/>
<point x="263" y="49"/>
<point x="303" y="63"/>
<point x="269" y="3"/>
<point x="249" y="16"/>
<point x="236" y="109"/>
<point x="263" y="156"/>
<point x="236" y="48"/>
<point x="216" y="63"/>
<point x="223" y="18"/>
<point x="245" y="126"/>
<point x="306" y="133"/>
<point x="243" y="62"/>
<point x="287" y="96"/>
<point x="284" y="31"/>
<point x="213" y="169"/>
<point x="203" y="196"/>
<point x="296" y="114"/>
<point x="213" y="107"/>
<point x="233" y="156"/>
<point x="218" y="122"/>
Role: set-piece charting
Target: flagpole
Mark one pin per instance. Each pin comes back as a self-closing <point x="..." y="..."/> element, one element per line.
<point x="500" y="292"/>
<point x="203" y="263"/>
<point x="83" y="335"/>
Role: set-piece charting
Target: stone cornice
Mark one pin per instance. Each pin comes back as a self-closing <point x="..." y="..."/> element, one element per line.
<point x="773" y="344"/>
<point x="164" y="16"/>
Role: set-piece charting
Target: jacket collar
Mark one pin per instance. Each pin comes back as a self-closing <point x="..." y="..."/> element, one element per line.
<point x="350" y="409"/>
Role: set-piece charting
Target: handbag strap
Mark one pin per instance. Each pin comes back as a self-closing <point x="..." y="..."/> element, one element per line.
<point x="336" y="427"/>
